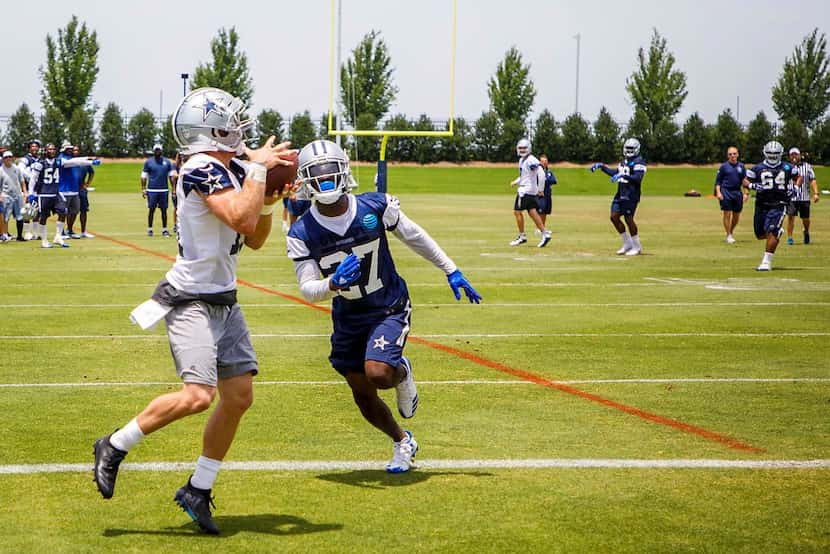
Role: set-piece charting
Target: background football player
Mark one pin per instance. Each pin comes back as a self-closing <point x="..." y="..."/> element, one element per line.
<point x="531" y="183"/>
<point x="771" y="181"/>
<point x="30" y="227"/>
<point x="629" y="178"/>
<point x="340" y="251"/>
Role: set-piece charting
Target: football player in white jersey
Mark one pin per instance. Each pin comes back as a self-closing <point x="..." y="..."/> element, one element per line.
<point x="222" y="206"/>
<point x="531" y="183"/>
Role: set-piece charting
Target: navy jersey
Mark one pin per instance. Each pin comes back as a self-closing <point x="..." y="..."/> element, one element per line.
<point x="550" y="180"/>
<point x="157" y="172"/>
<point x="730" y="176"/>
<point x="628" y="186"/>
<point x="380" y="288"/>
<point x="772" y="184"/>
<point x="48" y="179"/>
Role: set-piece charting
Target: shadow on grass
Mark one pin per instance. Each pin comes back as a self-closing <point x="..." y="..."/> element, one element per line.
<point x="268" y="524"/>
<point x="378" y="479"/>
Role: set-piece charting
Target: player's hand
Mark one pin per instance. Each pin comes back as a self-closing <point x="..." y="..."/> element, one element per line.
<point x="595" y="166"/>
<point x="32" y="198"/>
<point x="616" y="177"/>
<point x="719" y="196"/>
<point x="458" y="282"/>
<point x="96" y="161"/>
<point x="347" y="272"/>
<point x="815" y="199"/>
<point x="144" y="194"/>
<point x="272" y="156"/>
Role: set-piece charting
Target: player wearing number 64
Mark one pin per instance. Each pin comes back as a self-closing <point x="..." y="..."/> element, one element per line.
<point x="340" y="250"/>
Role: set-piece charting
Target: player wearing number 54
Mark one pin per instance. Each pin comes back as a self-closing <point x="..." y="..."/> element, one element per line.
<point x="341" y="251"/>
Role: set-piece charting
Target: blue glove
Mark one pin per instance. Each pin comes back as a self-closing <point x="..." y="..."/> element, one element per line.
<point x="595" y="167"/>
<point x="32" y="198"/>
<point x="457" y="281"/>
<point x="347" y="272"/>
<point x="96" y="162"/>
<point x="616" y="177"/>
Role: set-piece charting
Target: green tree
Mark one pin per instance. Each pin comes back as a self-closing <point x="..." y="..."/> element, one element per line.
<point x="401" y="148"/>
<point x="758" y="133"/>
<point x="512" y="130"/>
<point x="657" y="88"/>
<point x="366" y="83"/>
<point x="546" y="138"/>
<point x="803" y="89"/>
<point x="487" y="136"/>
<point x="367" y="148"/>
<point x="52" y="126"/>
<point x="112" y="136"/>
<point x="168" y="141"/>
<point x="668" y="142"/>
<point x="22" y="128"/>
<point x="71" y="68"/>
<point x="459" y="147"/>
<point x="80" y="130"/>
<point x="425" y="147"/>
<point x="511" y="91"/>
<point x="696" y="140"/>
<point x="270" y="122"/>
<point x="301" y="129"/>
<point x="794" y="134"/>
<point x="141" y="132"/>
<point x="606" y="136"/>
<point x="821" y="142"/>
<point x="727" y="132"/>
<point x="578" y="144"/>
<point x="229" y="68"/>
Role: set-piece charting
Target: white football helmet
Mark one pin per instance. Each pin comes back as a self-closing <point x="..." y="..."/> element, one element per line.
<point x="29" y="211"/>
<point x="773" y="152"/>
<point x="210" y="119"/>
<point x="323" y="168"/>
<point x="631" y="148"/>
<point x="523" y="148"/>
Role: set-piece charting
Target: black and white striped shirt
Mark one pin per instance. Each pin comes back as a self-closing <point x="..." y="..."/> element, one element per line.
<point x="804" y="194"/>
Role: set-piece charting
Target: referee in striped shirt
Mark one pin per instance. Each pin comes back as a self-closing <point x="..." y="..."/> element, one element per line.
<point x="800" y="202"/>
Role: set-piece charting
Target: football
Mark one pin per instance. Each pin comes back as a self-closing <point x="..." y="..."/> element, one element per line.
<point x="281" y="175"/>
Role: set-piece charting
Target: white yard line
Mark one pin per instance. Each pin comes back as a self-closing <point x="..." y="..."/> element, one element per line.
<point x="495" y="382"/>
<point x="279" y="305"/>
<point x="357" y="465"/>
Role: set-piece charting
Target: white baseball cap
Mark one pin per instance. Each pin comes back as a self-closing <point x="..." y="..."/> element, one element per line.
<point x="8" y="154"/>
<point x="795" y="150"/>
<point x="157" y="146"/>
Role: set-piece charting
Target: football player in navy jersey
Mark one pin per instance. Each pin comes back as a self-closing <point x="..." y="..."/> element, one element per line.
<point x="45" y="184"/>
<point x="340" y="251"/>
<point x="629" y="176"/>
<point x="729" y="192"/>
<point x="771" y="180"/>
<point x="222" y="206"/>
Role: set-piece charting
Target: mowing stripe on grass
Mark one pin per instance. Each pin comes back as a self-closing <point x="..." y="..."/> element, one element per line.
<point x="487" y="305"/>
<point x="543" y="463"/>
<point x="440" y="383"/>
<point x="520" y="373"/>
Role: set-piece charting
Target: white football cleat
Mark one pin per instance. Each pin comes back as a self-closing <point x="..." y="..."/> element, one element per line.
<point x="633" y="252"/>
<point x="406" y="393"/>
<point x="87" y="235"/>
<point x="623" y="249"/>
<point x="46" y="244"/>
<point x="521" y="239"/>
<point x="403" y="456"/>
<point x="28" y="236"/>
<point x="730" y="239"/>
<point x="765" y="266"/>
<point x="545" y="239"/>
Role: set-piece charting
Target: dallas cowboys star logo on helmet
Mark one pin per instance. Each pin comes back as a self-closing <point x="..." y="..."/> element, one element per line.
<point x="211" y="107"/>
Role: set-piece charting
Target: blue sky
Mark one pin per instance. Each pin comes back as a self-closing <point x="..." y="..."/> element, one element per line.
<point x="727" y="50"/>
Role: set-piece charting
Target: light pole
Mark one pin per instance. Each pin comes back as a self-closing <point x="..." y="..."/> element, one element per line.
<point x="576" y="102"/>
<point x="185" y="77"/>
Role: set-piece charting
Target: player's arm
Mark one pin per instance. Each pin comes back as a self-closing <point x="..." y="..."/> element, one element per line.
<point x="718" y="192"/>
<point x="80" y="161"/>
<point x="607" y="170"/>
<point x="90" y="175"/>
<point x="143" y="179"/>
<point x="814" y="189"/>
<point x="638" y="172"/>
<point x="414" y="236"/>
<point x="35" y="170"/>
<point x="312" y="286"/>
<point x="256" y="240"/>
<point x="540" y="181"/>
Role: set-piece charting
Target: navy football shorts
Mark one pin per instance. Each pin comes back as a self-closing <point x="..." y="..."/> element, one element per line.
<point x="768" y="220"/>
<point x="545" y="204"/>
<point x="357" y="339"/>
<point x="623" y="206"/>
<point x="51" y="205"/>
<point x="732" y="201"/>
<point x="157" y="200"/>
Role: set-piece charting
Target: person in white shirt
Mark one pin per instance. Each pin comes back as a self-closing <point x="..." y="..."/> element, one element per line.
<point x="531" y="183"/>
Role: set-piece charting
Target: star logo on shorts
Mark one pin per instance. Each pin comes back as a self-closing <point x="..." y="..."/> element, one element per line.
<point x="380" y="342"/>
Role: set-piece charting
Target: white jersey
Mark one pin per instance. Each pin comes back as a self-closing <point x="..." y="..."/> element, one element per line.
<point x="529" y="176"/>
<point x="208" y="248"/>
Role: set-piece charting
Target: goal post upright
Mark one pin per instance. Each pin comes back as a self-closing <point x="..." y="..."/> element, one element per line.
<point x="385" y="133"/>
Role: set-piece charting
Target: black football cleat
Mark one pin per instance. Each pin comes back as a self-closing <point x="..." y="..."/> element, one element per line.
<point x="196" y="503"/>
<point x="107" y="460"/>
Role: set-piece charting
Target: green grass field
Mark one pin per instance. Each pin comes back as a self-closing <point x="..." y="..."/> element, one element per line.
<point x="670" y="402"/>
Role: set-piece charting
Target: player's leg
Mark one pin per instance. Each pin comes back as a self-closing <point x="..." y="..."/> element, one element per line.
<point x="520" y="222"/>
<point x="769" y="227"/>
<point x="804" y="214"/>
<point x="163" y="203"/>
<point x="634" y="233"/>
<point x="152" y="203"/>
<point x="790" y="227"/>
<point x="619" y="226"/>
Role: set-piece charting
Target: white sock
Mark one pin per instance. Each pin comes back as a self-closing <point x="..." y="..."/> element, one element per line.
<point x="128" y="436"/>
<point x="768" y="257"/>
<point x="26" y="227"/>
<point x="635" y="241"/>
<point x="626" y="238"/>
<point x="59" y="230"/>
<point x="43" y="231"/>
<point x="205" y="474"/>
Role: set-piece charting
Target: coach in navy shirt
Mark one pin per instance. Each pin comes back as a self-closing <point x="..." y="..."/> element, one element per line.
<point x="158" y="171"/>
<point x="728" y="190"/>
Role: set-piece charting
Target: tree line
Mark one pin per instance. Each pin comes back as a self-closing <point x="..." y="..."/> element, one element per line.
<point x="656" y="88"/>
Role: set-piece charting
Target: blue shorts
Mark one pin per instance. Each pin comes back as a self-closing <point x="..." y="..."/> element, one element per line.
<point x="624" y="206"/>
<point x="545" y="204"/>
<point x="733" y="201"/>
<point x="49" y="205"/>
<point x="13" y="207"/>
<point x="359" y="338"/>
<point x="84" y="196"/>
<point x="157" y="200"/>
<point x="768" y="220"/>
